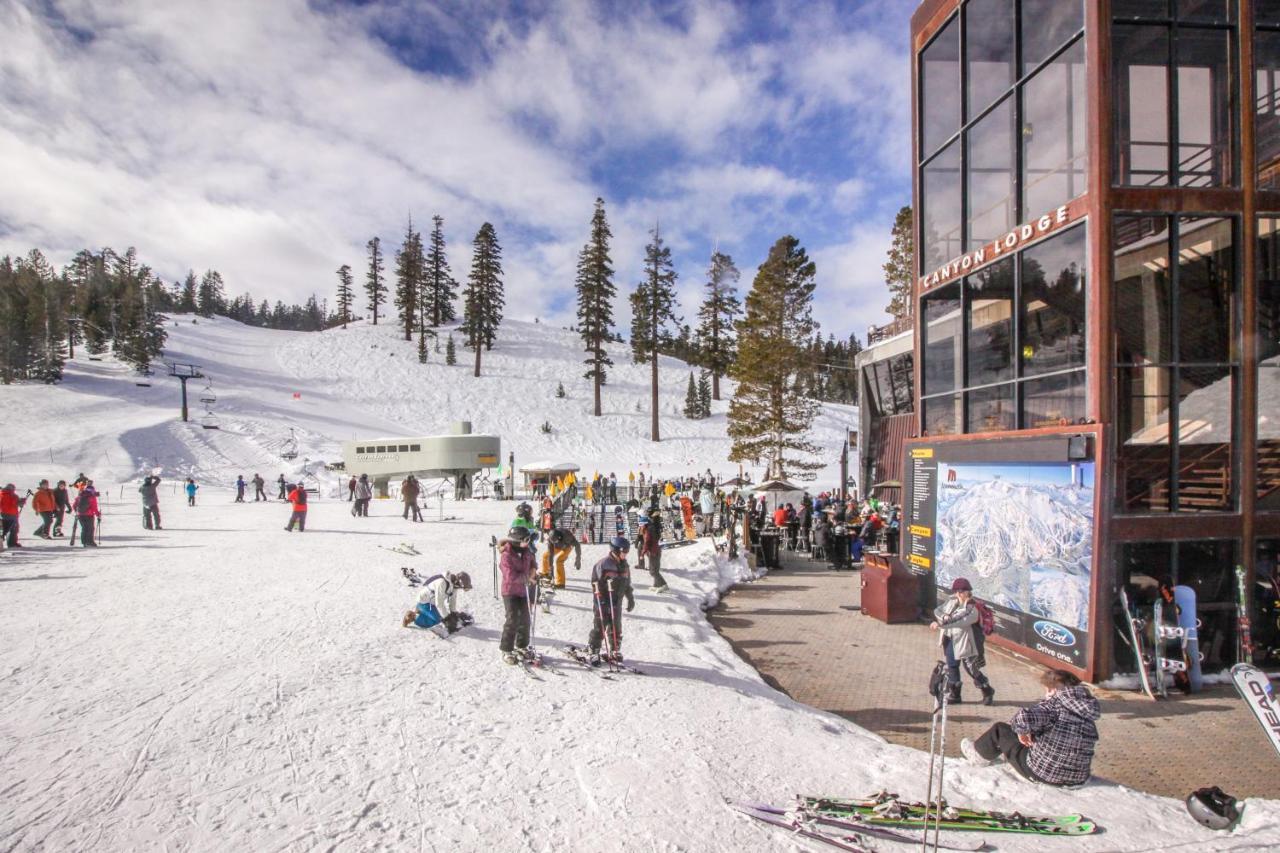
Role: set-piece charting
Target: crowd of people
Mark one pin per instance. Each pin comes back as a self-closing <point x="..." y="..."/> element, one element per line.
<point x="52" y="505"/>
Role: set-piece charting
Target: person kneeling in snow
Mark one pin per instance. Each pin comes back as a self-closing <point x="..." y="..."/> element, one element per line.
<point x="610" y="584"/>
<point x="438" y="605"/>
<point x="1051" y="742"/>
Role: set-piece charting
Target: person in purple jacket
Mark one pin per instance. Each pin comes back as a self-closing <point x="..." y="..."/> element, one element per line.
<point x="518" y="567"/>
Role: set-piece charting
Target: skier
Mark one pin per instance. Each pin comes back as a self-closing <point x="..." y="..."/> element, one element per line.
<point x="409" y="490"/>
<point x="87" y="513"/>
<point x="524" y="518"/>
<point x="517" y="565"/>
<point x="363" y="493"/>
<point x="284" y="488"/>
<point x="954" y="621"/>
<point x="10" y="510"/>
<point x="150" y="503"/>
<point x="651" y="550"/>
<point x="298" y="498"/>
<point x="1051" y="742"/>
<point x="610" y="584"/>
<point x="351" y="489"/>
<point x="259" y="492"/>
<point x="63" y="506"/>
<point x="241" y="485"/>
<point x="191" y="488"/>
<point x="44" y="503"/>
<point x="559" y="542"/>
<point x="707" y="506"/>
<point x="438" y="604"/>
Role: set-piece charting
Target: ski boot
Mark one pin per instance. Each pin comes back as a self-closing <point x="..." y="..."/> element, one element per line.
<point x="988" y="694"/>
<point x="510" y="658"/>
<point x="970" y="752"/>
<point x="594" y="658"/>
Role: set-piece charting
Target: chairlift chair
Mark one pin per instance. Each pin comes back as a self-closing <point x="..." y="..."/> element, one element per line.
<point x="207" y="396"/>
<point x="290" y="449"/>
<point x="209" y="421"/>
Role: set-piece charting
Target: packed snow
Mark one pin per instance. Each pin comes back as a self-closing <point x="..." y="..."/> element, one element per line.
<point x="221" y="684"/>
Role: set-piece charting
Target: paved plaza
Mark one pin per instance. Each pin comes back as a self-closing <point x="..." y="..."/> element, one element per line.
<point x="803" y="630"/>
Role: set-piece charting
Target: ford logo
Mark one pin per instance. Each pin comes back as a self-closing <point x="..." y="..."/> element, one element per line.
<point x="1055" y="633"/>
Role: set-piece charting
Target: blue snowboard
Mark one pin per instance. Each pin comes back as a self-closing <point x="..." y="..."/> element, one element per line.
<point x="1185" y="598"/>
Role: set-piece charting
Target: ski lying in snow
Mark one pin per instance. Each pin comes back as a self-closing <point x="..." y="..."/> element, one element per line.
<point x="582" y="656"/>
<point x="849" y="843"/>
<point x="858" y="827"/>
<point x="887" y="810"/>
<point x="1256" y="690"/>
<point x="676" y="543"/>
<point x="403" y="548"/>
<point x="578" y="655"/>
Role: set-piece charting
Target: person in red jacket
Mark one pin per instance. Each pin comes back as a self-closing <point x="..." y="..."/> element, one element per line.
<point x="298" y="498"/>
<point x="780" y="517"/>
<point x="10" y="509"/>
<point x="44" y="503"/>
<point x="651" y="550"/>
<point x="87" y="514"/>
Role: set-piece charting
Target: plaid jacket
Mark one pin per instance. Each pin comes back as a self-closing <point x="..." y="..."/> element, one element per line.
<point x="1064" y="733"/>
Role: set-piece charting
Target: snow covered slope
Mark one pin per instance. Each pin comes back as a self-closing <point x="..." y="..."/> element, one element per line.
<point x="363" y="381"/>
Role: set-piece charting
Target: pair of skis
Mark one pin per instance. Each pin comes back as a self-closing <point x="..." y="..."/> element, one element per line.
<point x="404" y="549"/>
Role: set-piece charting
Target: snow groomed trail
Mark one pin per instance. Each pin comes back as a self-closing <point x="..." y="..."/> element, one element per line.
<point x="222" y="684"/>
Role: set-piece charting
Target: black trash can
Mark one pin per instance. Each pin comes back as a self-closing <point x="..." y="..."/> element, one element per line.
<point x="769" y="550"/>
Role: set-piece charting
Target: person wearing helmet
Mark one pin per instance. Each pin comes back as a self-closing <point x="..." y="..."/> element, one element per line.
<point x="560" y="542"/>
<point x="1053" y="741"/>
<point x="517" y="565"/>
<point x="650" y="549"/>
<point x="437" y="608"/>
<point x="610" y="584"/>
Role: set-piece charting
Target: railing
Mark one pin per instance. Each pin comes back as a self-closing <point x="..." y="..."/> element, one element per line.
<point x="875" y="334"/>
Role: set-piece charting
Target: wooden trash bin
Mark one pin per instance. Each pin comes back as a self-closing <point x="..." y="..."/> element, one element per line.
<point x="889" y="592"/>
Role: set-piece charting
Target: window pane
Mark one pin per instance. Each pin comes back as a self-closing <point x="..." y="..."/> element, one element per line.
<point x="1054" y="400"/>
<point x="1144" y="459"/>
<point x="1046" y="26"/>
<point x="1204" y="108"/>
<point x="1053" y="309"/>
<point x="1266" y="12"/>
<point x="940" y="88"/>
<point x="940" y="197"/>
<point x="942" y="356"/>
<point x="992" y="189"/>
<point x="1266" y="57"/>
<point x="1206" y="272"/>
<point x="902" y="379"/>
<point x="1269" y="291"/>
<point x="1142" y="105"/>
<point x="1054" y="134"/>
<point x="992" y="409"/>
<point x="989" y="323"/>
<point x="1142" y="303"/>
<point x="1208" y="567"/>
<point x="1221" y="11"/>
<point x="1204" y="439"/>
<point x="990" y="54"/>
<point x="1268" y="486"/>
<point x="942" y="415"/>
<point x="1140" y="9"/>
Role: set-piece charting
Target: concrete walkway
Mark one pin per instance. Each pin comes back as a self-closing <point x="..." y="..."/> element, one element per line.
<point x="802" y="629"/>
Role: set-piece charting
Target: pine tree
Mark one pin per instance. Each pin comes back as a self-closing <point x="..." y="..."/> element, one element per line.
<point x="766" y="419"/>
<point x="450" y="353"/>
<point x="595" y="300"/>
<point x="422" y="346"/>
<point x="717" y="314"/>
<point x="441" y="288"/>
<point x="899" y="272"/>
<point x="692" y="408"/>
<point x="483" y="297"/>
<point x="409" y="279"/>
<point x="704" y="394"/>
<point x="211" y="298"/>
<point x="187" y="304"/>
<point x="374" y="287"/>
<point x="652" y="314"/>
<point x="345" y="294"/>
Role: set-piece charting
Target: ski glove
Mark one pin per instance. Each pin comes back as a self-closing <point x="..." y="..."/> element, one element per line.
<point x="631" y="602"/>
<point x="451" y="622"/>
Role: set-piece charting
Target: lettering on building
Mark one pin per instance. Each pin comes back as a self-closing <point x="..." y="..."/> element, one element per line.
<point x="1010" y="242"/>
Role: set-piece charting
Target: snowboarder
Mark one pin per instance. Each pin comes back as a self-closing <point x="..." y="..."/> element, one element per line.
<point x="44" y="503"/>
<point x="63" y="507"/>
<point x="259" y="491"/>
<point x="284" y="488"/>
<point x="517" y="567"/>
<point x="298" y="498"/>
<point x="409" y="491"/>
<point x="87" y="513"/>
<point x="651" y="550"/>
<point x="559" y="542"/>
<point x="1051" y="742"/>
<point x="150" y="503"/>
<point x="364" y="493"/>
<point x="191" y="488"/>
<point x="610" y="584"/>
<point x="954" y="621"/>
<point x="241" y="485"/>
<point x="438" y="604"/>
<point x="10" y="510"/>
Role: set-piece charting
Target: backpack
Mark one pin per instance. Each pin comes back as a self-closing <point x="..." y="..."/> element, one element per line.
<point x="302" y="496"/>
<point x="986" y="619"/>
<point x="82" y="502"/>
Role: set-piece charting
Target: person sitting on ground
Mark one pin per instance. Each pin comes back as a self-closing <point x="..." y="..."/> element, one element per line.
<point x="1051" y="742"/>
<point x="438" y="605"/>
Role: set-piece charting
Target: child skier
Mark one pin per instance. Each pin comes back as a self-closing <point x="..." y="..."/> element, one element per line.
<point x="298" y="498"/>
<point x="191" y="488"/>
<point x="610" y="584"/>
<point x="437" y="608"/>
<point x="241" y="485"/>
<point x="517" y="566"/>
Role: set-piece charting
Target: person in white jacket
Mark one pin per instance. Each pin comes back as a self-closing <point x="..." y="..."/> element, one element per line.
<point x="363" y="493"/>
<point x="955" y="621"/>
<point x="437" y="608"/>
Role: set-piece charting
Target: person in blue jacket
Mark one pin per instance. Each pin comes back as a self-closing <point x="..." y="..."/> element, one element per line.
<point x="241" y="485"/>
<point x="191" y="488"/>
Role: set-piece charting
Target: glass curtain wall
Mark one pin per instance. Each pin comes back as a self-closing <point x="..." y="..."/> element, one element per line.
<point x="1002" y="123"/>
<point x="1268" y="305"/>
<point x="1266" y="62"/>
<point x="1175" y="113"/>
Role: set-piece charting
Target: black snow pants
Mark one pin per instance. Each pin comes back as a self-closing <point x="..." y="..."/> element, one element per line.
<point x="86" y="523"/>
<point x="151" y="517"/>
<point x="1000" y="740"/>
<point x="655" y="568"/>
<point x="298" y="518"/>
<point x="515" y="630"/>
<point x="607" y="625"/>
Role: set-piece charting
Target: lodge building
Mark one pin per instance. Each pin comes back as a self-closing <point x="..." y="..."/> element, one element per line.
<point x="1093" y="379"/>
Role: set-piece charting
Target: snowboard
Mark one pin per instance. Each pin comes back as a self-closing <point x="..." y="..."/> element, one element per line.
<point x="1163" y="634"/>
<point x="1185" y="598"/>
<point x="1136" y="629"/>
<point x="1255" y="688"/>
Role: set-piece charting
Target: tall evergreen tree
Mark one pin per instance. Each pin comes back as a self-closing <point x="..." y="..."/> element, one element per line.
<point x="409" y="279"/>
<point x="716" y="315"/>
<point x="595" y="300"/>
<point x="483" y="295"/>
<point x="692" y="408"/>
<point x="652" y="315"/>
<point x="450" y="353"/>
<point x="211" y="297"/>
<point x="704" y="394"/>
<point x="345" y="294"/>
<point x="441" y="287"/>
<point x="767" y="420"/>
<point x="374" y="287"/>
<point x="188" y="302"/>
<point x="899" y="274"/>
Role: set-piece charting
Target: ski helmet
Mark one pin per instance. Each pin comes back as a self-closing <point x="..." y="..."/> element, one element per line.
<point x="462" y="581"/>
<point x="620" y="544"/>
<point x="1214" y="808"/>
<point x="519" y="535"/>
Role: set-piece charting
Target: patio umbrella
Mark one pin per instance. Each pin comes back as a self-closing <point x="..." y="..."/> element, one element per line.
<point x="778" y="488"/>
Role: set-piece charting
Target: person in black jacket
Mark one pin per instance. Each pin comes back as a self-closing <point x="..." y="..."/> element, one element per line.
<point x="63" y="500"/>
<point x="610" y="584"/>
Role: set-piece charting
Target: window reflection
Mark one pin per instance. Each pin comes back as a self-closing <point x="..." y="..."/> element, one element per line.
<point x="1053" y="308"/>
<point x="1055" y="134"/>
<point x="989" y="324"/>
<point x="1054" y="400"/>
<point x="940" y="197"/>
<point x="942" y="415"/>
<point x="942" y="341"/>
<point x="1046" y="26"/>
<point x="1266" y="57"/>
<point x="1205" y="403"/>
<point x="992" y="168"/>
<point x="992" y="409"/>
<point x="1204" y="98"/>
<point x="940" y="88"/>
<point x="1266" y="12"/>
<point x="1143" y="307"/>
<point x="1206" y="271"/>
<point x="1142" y="100"/>
<point x="989" y="54"/>
<point x="1268" y="305"/>
<point x="1145" y="458"/>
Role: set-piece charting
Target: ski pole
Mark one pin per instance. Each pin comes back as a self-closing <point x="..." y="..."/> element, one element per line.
<point x="613" y="625"/>
<point x="604" y="637"/>
<point x="942" y="768"/>
<point x="928" y="796"/>
<point x="493" y="548"/>
<point x="75" y="523"/>
<point x="533" y="615"/>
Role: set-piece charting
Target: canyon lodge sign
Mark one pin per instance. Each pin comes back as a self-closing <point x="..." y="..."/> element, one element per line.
<point x="1012" y="241"/>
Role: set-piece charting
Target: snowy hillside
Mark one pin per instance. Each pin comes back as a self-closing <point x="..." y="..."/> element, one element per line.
<point x="363" y="381"/>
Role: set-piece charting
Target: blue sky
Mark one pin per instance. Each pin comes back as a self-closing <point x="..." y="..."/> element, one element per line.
<point x="270" y="140"/>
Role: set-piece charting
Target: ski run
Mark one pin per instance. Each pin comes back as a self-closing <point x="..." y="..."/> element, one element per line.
<point x="223" y="685"/>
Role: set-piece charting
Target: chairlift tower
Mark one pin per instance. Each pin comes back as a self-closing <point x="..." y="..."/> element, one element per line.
<point x="183" y="373"/>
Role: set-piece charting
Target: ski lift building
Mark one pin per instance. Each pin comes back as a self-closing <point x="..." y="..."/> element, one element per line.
<point x="458" y="456"/>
